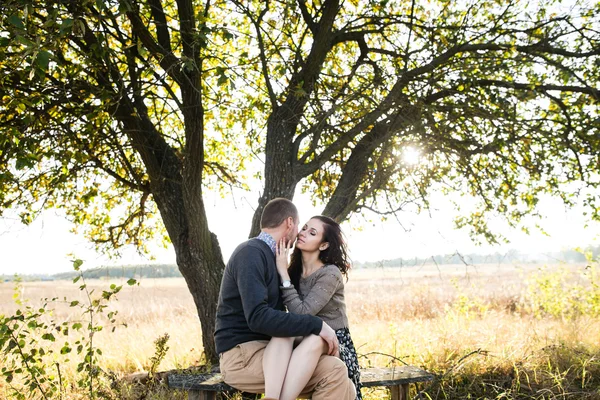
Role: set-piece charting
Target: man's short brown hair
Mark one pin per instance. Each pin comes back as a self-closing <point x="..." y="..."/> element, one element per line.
<point x="276" y="211"/>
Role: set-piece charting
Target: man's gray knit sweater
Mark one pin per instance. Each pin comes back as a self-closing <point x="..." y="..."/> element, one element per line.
<point x="250" y="305"/>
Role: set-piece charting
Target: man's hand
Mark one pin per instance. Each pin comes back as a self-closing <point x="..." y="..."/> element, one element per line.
<point x="329" y="336"/>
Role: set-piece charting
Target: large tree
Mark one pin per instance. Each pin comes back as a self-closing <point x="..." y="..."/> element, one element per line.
<point x="124" y="112"/>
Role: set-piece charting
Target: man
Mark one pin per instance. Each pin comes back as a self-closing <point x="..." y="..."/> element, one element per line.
<point x="250" y="311"/>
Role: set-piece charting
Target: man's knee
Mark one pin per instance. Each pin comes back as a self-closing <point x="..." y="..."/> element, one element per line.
<point x="332" y="369"/>
<point x="335" y="367"/>
<point x="333" y="382"/>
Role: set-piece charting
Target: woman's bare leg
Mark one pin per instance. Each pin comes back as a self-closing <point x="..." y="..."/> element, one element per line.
<point x="302" y="365"/>
<point x="275" y="364"/>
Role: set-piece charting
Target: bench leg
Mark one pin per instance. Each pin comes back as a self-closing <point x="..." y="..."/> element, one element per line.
<point x="400" y="392"/>
<point x="201" y="395"/>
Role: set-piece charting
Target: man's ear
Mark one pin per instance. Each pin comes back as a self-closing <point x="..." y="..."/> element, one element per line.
<point x="324" y="246"/>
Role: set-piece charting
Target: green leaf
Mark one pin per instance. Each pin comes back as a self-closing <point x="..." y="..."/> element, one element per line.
<point x="227" y="35"/>
<point x="66" y="25"/>
<point x="77" y="264"/>
<point x="11" y="345"/>
<point x="24" y="41"/>
<point x="48" y="336"/>
<point x="223" y="79"/>
<point x="23" y="163"/>
<point x="15" y="21"/>
<point x="43" y="59"/>
<point x="131" y="282"/>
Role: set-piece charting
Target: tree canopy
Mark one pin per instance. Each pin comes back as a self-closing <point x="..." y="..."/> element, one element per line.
<point x="124" y="112"/>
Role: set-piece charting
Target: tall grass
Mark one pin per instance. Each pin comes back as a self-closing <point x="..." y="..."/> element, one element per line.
<point x="505" y="332"/>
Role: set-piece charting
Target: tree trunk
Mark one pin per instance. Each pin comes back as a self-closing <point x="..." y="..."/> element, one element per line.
<point x="199" y="257"/>
<point x="279" y="162"/>
<point x="203" y="279"/>
<point x="178" y="196"/>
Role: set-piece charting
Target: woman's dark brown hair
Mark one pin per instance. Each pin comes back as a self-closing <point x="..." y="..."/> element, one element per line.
<point x="336" y="253"/>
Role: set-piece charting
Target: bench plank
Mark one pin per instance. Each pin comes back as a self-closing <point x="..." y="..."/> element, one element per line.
<point x="210" y="382"/>
<point x="205" y="386"/>
<point x="370" y="377"/>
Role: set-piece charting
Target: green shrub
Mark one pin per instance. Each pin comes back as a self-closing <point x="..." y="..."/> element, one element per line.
<point x="560" y="294"/>
<point x="465" y="305"/>
<point x="31" y="363"/>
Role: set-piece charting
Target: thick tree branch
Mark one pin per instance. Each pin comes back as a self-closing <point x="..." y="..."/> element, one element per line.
<point x="307" y="77"/>
<point x="193" y="112"/>
<point x="167" y="60"/>
<point x="537" y="87"/>
<point x="160" y="21"/>
<point x="185" y="11"/>
<point x="410" y="32"/>
<point x="539" y="47"/>
<point x="308" y="19"/>
<point x="357" y="166"/>
<point x="534" y="87"/>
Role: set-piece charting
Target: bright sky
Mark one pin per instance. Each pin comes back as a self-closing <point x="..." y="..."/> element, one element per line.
<point x="43" y="247"/>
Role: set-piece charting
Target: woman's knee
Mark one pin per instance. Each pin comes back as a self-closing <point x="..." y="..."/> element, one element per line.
<point x="277" y="344"/>
<point x="282" y="340"/>
<point x="315" y="344"/>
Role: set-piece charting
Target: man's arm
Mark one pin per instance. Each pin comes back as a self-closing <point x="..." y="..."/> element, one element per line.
<point x="262" y="318"/>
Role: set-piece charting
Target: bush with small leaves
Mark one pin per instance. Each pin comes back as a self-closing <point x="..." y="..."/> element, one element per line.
<point x="31" y="364"/>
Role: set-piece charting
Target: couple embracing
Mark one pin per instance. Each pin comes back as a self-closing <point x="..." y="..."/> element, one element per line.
<point x="306" y="352"/>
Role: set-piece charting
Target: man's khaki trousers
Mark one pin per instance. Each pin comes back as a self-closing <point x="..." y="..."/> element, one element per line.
<point x="242" y="368"/>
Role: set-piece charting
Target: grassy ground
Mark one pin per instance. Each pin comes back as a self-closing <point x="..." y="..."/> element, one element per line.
<point x="486" y="332"/>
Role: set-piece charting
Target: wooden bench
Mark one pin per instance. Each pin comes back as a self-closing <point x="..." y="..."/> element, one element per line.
<point x="397" y="379"/>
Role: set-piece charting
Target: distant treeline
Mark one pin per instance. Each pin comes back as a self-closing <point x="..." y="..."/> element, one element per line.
<point x="171" y="270"/>
<point x="124" y="271"/>
<point x="510" y="257"/>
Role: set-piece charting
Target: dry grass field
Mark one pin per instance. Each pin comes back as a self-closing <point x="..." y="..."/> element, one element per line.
<point x="475" y="327"/>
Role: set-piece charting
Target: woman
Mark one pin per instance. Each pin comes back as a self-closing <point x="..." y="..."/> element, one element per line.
<point x="313" y="284"/>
